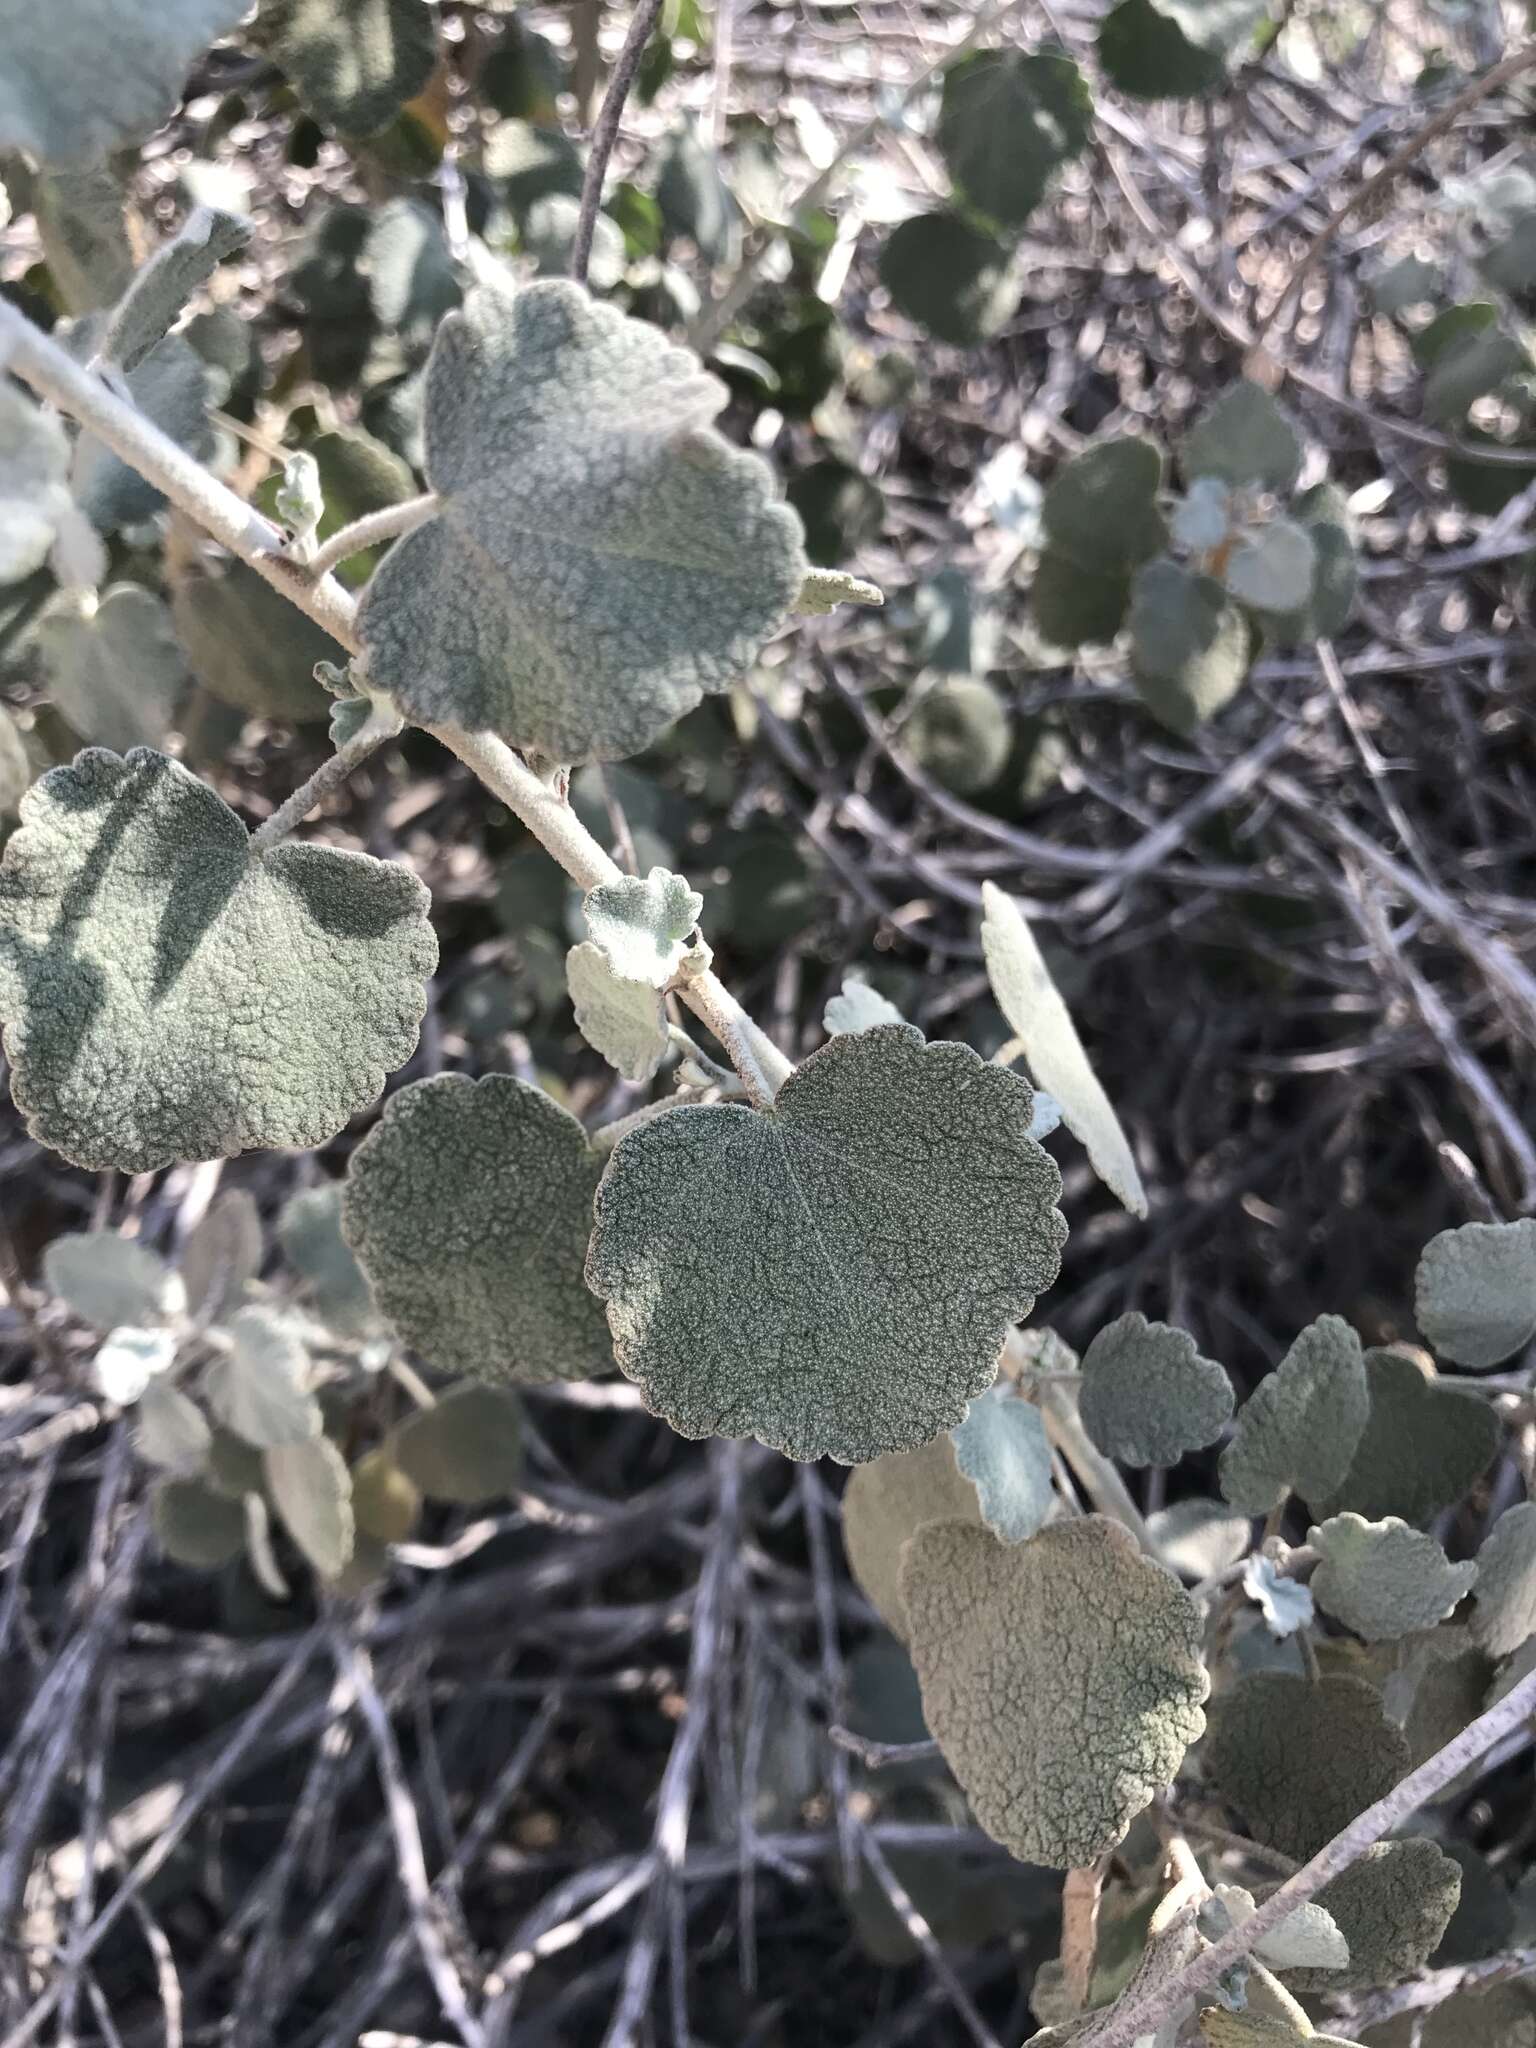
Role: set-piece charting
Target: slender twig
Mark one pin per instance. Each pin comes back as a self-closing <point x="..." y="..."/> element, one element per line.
<point x="329" y="776"/>
<point x="1133" y="2017"/>
<point x="1080" y="1898"/>
<point x="879" y="1756"/>
<point x="1518" y="62"/>
<point x="388" y="523"/>
<point x="606" y="132"/>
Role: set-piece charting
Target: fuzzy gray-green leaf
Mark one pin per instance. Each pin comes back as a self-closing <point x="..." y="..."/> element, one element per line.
<point x="1392" y="1907"/>
<point x="1422" y="1447"/>
<point x="1148" y="1396"/>
<point x="1475" y="1292"/>
<point x="256" y="1388"/>
<point x="171" y="1430"/>
<point x="352" y="62"/>
<point x="1245" y="437"/>
<point x="1062" y="1678"/>
<point x="222" y="1256"/>
<point x="34" y="461"/>
<point x="250" y="647"/>
<point x="641" y="926"/>
<point x="133" y="914"/>
<point x="107" y="1280"/>
<point x="1272" y="570"/>
<point x="467" y="1448"/>
<point x="1189" y="644"/>
<point x="1504" y="1614"/>
<point x="309" y="1231"/>
<point x="160" y="289"/>
<point x="628" y="560"/>
<point x="1383" y="1579"/>
<point x="1299" y="1429"/>
<point x="769" y="1275"/>
<point x="1002" y="1449"/>
<point x="170" y="387"/>
<point x="890" y="1499"/>
<point x="858" y="1008"/>
<point x="195" y="1525"/>
<point x="115" y="670"/>
<point x="98" y="73"/>
<point x="1008" y="122"/>
<point x="469" y="1206"/>
<point x="626" y="1021"/>
<point x="311" y="1489"/>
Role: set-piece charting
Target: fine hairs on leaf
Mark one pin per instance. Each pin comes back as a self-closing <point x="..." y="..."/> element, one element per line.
<point x="1062" y="1678"/>
<point x="1299" y="1429"/>
<point x="1148" y="1396"/>
<point x="882" y="1161"/>
<point x="626" y="1021"/>
<point x="1475" y="1292"/>
<point x="1422" y="1447"/>
<point x="1383" y="1579"/>
<point x="629" y="560"/>
<point x="131" y="906"/>
<point x="1003" y="1450"/>
<point x="641" y="925"/>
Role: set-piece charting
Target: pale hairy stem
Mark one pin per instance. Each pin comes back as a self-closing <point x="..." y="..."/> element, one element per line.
<point x="388" y="523"/>
<point x="1063" y="1425"/>
<point x="1132" y="2017"/>
<point x="329" y="776"/>
<point x="718" y="315"/>
<point x="55" y="375"/>
<point x="1080" y="1898"/>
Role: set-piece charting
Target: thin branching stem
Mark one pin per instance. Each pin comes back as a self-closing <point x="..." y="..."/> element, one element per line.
<point x="606" y="132"/>
<point x="388" y="523"/>
<point x="328" y="777"/>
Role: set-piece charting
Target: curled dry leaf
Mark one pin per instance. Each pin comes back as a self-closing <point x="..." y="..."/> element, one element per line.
<point x="769" y="1274"/>
<point x="1030" y="1001"/>
<point x="1062" y="1678"/>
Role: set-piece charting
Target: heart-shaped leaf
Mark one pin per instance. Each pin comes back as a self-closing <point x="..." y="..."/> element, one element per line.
<point x="1299" y="1429"/>
<point x="1008" y="122"/>
<point x="1298" y="1758"/>
<point x="770" y="1275"/>
<point x="131" y="908"/>
<point x="469" y="1206"/>
<point x="1062" y="1678"/>
<point x="114" y="669"/>
<point x="628" y="560"/>
<point x="1148" y="1396"/>
<point x="1245" y="437"/>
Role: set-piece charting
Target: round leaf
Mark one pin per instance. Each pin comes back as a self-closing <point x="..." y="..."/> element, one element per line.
<point x="1189" y="645"/>
<point x="1101" y="509"/>
<point x="1007" y="124"/>
<point x="197" y="1526"/>
<point x="100" y="72"/>
<point x="1032" y="1004"/>
<point x="251" y="648"/>
<point x="1148" y="1396"/>
<point x="1145" y="54"/>
<point x="469" y="1206"/>
<point x="1475" y="1292"/>
<point x="770" y="1275"/>
<point x="1299" y="1429"/>
<point x="108" y="1280"/>
<point x="950" y="278"/>
<point x="628" y="560"/>
<point x="257" y="1387"/>
<point x="1383" y="1579"/>
<point x="1003" y="1450"/>
<point x="1274" y="569"/>
<point x="386" y="1503"/>
<point x="961" y="734"/>
<point x="1392" y="1907"/>
<point x="623" y="1020"/>
<point x="170" y="996"/>
<point x="1504" y="1616"/>
<point x="354" y="63"/>
<point x="116" y="672"/>
<point x="890" y="1499"/>
<point x="467" y="1448"/>
<point x="1062" y="1678"/>
<point x="641" y="927"/>
<point x="1298" y="1759"/>
<point x="1422" y="1447"/>
<point x="172" y="1430"/>
<point x="1245" y="437"/>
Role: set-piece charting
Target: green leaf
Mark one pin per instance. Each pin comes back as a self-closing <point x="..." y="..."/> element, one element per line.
<point x="840" y="510"/>
<point x="468" y="1207"/>
<point x="642" y="927"/>
<point x="105" y="73"/>
<point x="159" y="292"/>
<point x="1204" y="517"/>
<point x="1002" y="1449"/>
<point x="523" y="74"/>
<point x="693" y="196"/>
<point x="412" y="277"/>
<point x="950" y="278"/>
<point x="529" y="162"/>
<point x="257" y="1388"/>
<point x="1467" y="367"/>
<point x="34" y="461"/>
<point x="222" y="1256"/>
<point x="1504" y="1613"/>
<point x="858" y="1008"/>
<point x="107" y="1280"/>
<point x="1309" y="1938"/>
<point x="1301" y="1426"/>
<point x="769" y="1275"/>
<point x="1383" y="1579"/>
<point x="1475" y="1292"/>
<point x="1147" y="1395"/>
<point x="82" y="223"/>
<point x="357" y="475"/>
<point x="309" y="1231"/>
<point x="172" y="1431"/>
<point x="197" y="1526"/>
<point x="628" y="560"/>
<point x="468" y="1448"/>
<point x="131" y="905"/>
<point x="1273" y="570"/>
<point x="1495" y="2016"/>
<point x="1038" y="1017"/>
<point x="386" y="1502"/>
<point x="353" y="63"/>
<point x="1245" y="437"/>
<point x="113" y="669"/>
<point x="1101" y="509"/>
<point x="1007" y="124"/>
<point x="1062" y="1678"/>
<point x="548" y="235"/>
<point x="890" y="1499"/>
<point x="1073" y="607"/>
<point x="170" y="388"/>
<point x="1189" y="645"/>
<point x="961" y="734"/>
<point x="1423" y="1445"/>
<point x="623" y="1020"/>
<point x="252" y="648"/>
<point x="1298" y="1758"/>
<point x="311" y="1489"/>
<point x="1392" y="1907"/>
<point x="1145" y="54"/>
<point x="1325" y="514"/>
<point x="16" y="771"/>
